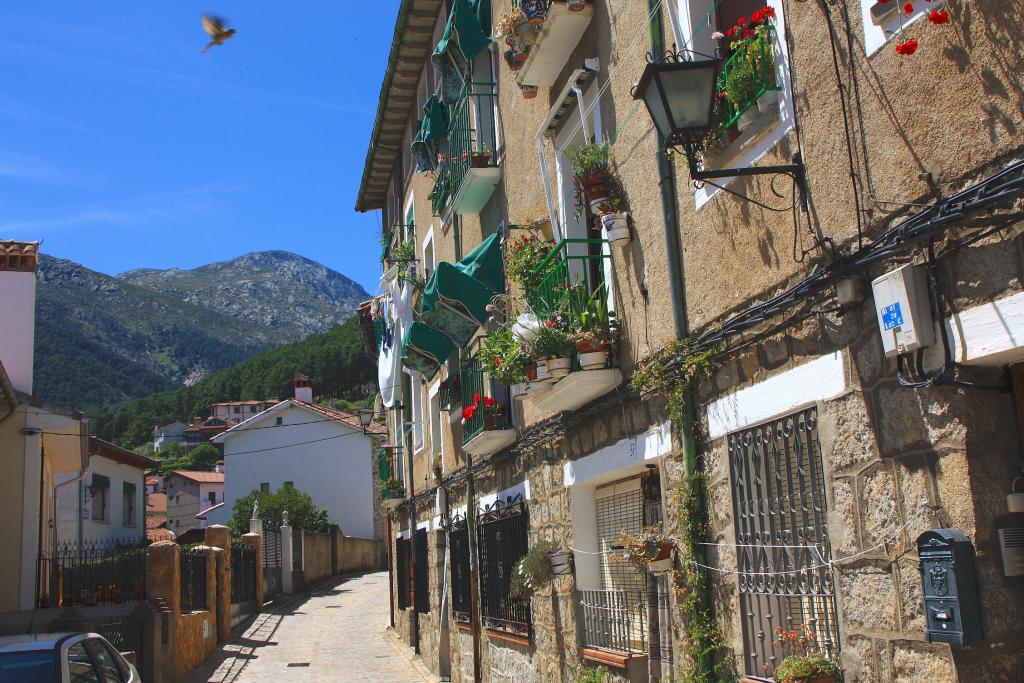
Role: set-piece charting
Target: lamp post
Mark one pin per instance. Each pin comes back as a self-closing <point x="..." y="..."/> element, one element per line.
<point x="680" y="94"/>
<point x="365" y="418"/>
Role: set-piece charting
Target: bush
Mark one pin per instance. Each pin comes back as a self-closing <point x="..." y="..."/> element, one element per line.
<point x="303" y="513"/>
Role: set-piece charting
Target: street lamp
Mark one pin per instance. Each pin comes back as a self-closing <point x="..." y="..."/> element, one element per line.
<point x="680" y="94"/>
<point x="365" y="418"/>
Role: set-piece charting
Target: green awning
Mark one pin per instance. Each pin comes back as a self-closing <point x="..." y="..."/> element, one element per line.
<point x="469" y="31"/>
<point x="425" y="349"/>
<point x="456" y="297"/>
<point x="100" y="482"/>
<point x="433" y="127"/>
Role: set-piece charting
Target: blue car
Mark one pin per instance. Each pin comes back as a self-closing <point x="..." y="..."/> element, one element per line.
<point x="63" y="658"/>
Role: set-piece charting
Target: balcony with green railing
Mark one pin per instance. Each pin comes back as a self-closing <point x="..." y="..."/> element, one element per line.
<point x="468" y="170"/>
<point x="486" y="411"/>
<point x="576" y="274"/>
<point x="390" y="481"/>
<point x="750" y="70"/>
<point x="572" y="262"/>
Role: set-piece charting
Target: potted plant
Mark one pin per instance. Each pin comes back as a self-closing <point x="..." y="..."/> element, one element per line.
<point x="552" y="344"/>
<point x="594" y="329"/>
<point x="590" y="166"/>
<point x="529" y="91"/>
<point x="650" y="547"/>
<point x="804" y="661"/>
<point x="503" y="357"/>
<point x="510" y="59"/>
<point x="482" y="157"/>
<point x="536" y="568"/>
<point x="740" y="87"/>
<point x="524" y="255"/>
<point x="616" y="226"/>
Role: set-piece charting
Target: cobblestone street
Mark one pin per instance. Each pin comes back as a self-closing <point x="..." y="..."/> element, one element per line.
<point x="335" y="633"/>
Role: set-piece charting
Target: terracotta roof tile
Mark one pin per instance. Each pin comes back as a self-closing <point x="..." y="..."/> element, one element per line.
<point x="159" y="535"/>
<point x="201" y="477"/>
<point x="15" y="255"/>
<point x="156" y="502"/>
<point x="348" y="418"/>
<point x="155" y="520"/>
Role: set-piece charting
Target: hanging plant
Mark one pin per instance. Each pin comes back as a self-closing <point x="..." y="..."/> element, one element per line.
<point x="524" y="255"/>
<point x="938" y="16"/>
<point x="533" y="570"/>
<point x="503" y="357"/>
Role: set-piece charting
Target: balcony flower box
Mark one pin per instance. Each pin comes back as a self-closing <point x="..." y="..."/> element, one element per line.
<point x="576" y="390"/>
<point x="560" y="31"/>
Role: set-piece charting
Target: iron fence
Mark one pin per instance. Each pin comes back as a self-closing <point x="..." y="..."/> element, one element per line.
<point x="785" y="581"/>
<point x="572" y="262"/>
<point x="243" y="573"/>
<point x="92" y="573"/>
<point x="271" y="546"/>
<point x="614" y="620"/>
<point x="503" y="541"/>
<point x="193" y="579"/>
<point x="478" y="391"/>
<point x="458" y="545"/>
<point x="472" y="142"/>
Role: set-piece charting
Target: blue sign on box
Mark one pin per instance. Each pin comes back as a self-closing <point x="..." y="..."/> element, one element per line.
<point x="892" y="316"/>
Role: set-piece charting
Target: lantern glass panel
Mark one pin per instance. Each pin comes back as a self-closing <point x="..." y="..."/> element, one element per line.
<point x="656" y="107"/>
<point x="689" y="93"/>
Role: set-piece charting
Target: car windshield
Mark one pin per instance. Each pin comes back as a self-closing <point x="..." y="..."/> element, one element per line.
<point x="27" y="667"/>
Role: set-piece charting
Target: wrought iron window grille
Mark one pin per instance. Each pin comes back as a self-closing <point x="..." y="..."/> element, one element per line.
<point x="458" y="547"/>
<point x="421" y="573"/>
<point x="503" y="538"/>
<point x="403" y="572"/>
<point x="782" y="532"/>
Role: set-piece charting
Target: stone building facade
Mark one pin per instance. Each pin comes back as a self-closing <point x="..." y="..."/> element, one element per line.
<point x="856" y="454"/>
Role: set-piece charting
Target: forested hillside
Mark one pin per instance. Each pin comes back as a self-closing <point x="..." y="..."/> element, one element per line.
<point x="334" y="359"/>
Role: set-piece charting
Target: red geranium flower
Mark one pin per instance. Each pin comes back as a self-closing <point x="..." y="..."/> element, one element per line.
<point x="730" y="32"/>
<point x="550" y="324"/>
<point x="749" y="33"/>
<point x="722" y="95"/>
<point x="476" y="399"/>
<point x="908" y="8"/>
<point x="769" y="10"/>
<point x="497" y="360"/>
<point x="938" y="16"/>
<point x="488" y="402"/>
<point x="907" y="47"/>
<point x="742" y="22"/>
<point x="757" y="17"/>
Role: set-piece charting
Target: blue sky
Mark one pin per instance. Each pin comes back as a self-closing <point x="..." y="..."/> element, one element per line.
<point x="121" y="146"/>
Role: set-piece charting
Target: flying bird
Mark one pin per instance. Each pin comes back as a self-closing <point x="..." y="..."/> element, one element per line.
<point x="214" y="27"/>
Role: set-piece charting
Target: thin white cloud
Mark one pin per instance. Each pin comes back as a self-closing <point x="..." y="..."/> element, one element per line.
<point x="174" y="79"/>
<point x="27" y="168"/>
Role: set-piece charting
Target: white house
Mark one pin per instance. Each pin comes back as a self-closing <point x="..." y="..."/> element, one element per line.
<point x="319" y="450"/>
<point x="188" y="493"/>
<point x="168" y="434"/>
<point x="108" y="504"/>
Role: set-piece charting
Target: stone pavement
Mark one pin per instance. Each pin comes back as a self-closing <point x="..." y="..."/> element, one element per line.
<point x="335" y="633"/>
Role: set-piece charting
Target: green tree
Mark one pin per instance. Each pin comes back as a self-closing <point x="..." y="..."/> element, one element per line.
<point x="203" y="457"/>
<point x="302" y="511"/>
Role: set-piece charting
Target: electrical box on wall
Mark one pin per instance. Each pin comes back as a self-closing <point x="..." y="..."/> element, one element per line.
<point x="904" y="310"/>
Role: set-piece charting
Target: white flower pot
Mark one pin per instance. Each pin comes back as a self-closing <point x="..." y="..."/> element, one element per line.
<point x="542" y="372"/>
<point x="559" y="367"/>
<point x="768" y="103"/>
<point x="616" y="225"/>
<point x="561" y="562"/>
<point x="596" y="204"/>
<point x="596" y="360"/>
<point x="660" y="566"/>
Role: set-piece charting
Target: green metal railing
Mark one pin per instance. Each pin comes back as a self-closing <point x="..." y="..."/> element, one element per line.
<point x="760" y="50"/>
<point x="473" y="384"/>
<point x="388" y="462"/>
<point x="471" y="134"/>
<point x="571" y="262"/>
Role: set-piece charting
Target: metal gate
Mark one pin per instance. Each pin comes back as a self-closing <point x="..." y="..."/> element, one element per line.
<point x="243" y="573"/>
<point x="271" y="546"/>
<point x="785" y="583"/>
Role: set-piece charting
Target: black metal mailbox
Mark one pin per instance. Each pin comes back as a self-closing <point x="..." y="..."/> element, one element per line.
<point x="950" y="587"/>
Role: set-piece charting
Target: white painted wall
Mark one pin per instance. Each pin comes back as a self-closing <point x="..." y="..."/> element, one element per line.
<point x="17" y="332"/>
<point x="336" y="472"/>
<point x="174" y="433"/>
<point x="73" y="498"/>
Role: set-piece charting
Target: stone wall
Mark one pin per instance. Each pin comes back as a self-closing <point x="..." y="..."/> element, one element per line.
<point x="195" y="640"/>
<point x="317" y="559"/>
<point x="357" y="554"/>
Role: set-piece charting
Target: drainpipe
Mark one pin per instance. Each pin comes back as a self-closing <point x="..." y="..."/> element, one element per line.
<point x="407" y="445"/>
<point x="56" y="498"/>
<point x="474" y="573"/>
<point x="667" y="183"/>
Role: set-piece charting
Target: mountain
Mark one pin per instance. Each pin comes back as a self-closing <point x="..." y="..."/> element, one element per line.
<point x="102" y="339"/>
<point x="276" y="290"/>
<point x="334" y="359"/>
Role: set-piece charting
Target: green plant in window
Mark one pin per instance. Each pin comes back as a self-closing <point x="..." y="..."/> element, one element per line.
<point x="503" y="357"/>
<point x="524" y="255"/>
<point x="552" y="340"/>
<point x="740" y="82"/>
<point x="533" y="570"/>
<point x="589" y="158"/>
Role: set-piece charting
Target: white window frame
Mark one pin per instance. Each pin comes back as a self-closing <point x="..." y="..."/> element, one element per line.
<point x="692" y="14"/>
<point x="416" y="400"/>
<point x="434" y="417"/>
<point x="428" y="250"/>
<point x="875" y="37"/>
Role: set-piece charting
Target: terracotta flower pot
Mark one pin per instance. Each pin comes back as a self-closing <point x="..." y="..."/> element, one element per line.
<point x="535" y="11"/>
<point x="587" y="347"/>
<point x="592" y="178"/>
<point x="576" y="5"/>
<point x="481" y="160"/>
<point x="531" y="372"/>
